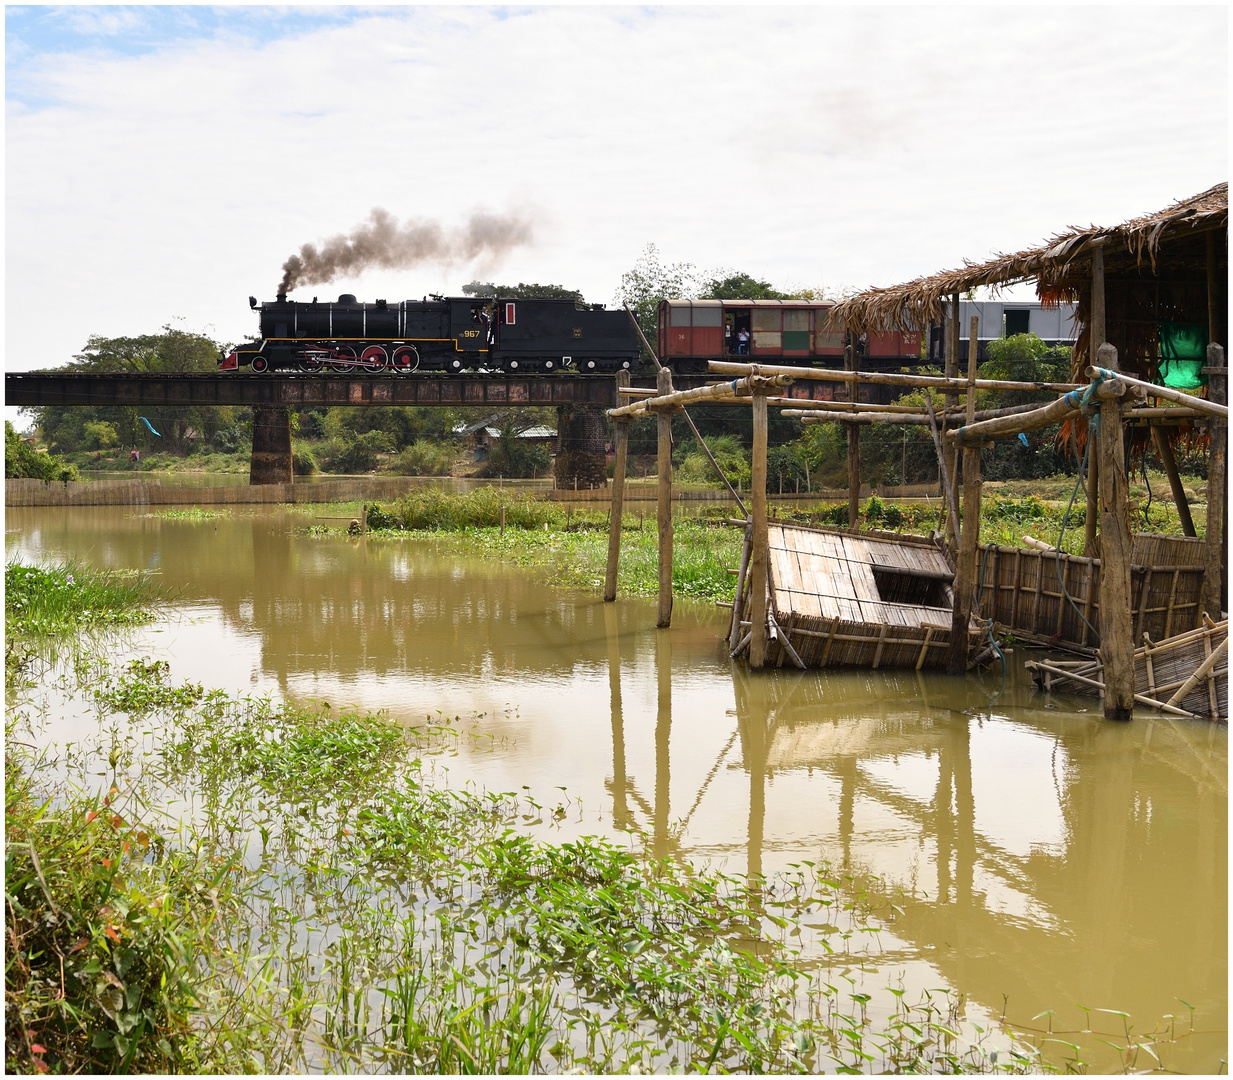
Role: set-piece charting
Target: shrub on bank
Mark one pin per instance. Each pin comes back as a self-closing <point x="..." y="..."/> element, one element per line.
<point x="425" y="458"/>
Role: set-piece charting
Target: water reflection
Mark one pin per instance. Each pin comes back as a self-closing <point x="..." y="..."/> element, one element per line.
<point x="1043" y="853"/>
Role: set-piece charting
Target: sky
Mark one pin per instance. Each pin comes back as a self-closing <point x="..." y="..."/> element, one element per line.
<point x="163" y="162"/>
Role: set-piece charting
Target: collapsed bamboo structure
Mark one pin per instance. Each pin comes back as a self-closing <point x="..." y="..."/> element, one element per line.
<point x="1088" y="609"/>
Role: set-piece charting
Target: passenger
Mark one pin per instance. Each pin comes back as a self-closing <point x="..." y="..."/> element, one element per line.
<point x="742" y="340"/>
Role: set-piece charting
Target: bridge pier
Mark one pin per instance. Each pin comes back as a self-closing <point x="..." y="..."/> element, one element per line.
<point x="582" y="431"/>
<point x="271" y="456"/>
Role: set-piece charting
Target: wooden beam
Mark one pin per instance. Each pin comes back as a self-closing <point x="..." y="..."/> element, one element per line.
<point x="760" y="559"/>
<point x="664" y="510"/>
<point x="1000" y="426"/>
<point x="1117" y="647"/>
<point x="715" y="393"/>
<point x="1164" y="450"/>
<point x="969" y="538"/>
<point x="1214" y="568"/>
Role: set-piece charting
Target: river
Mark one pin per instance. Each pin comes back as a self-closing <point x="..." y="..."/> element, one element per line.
<point x="1041" y="857"/>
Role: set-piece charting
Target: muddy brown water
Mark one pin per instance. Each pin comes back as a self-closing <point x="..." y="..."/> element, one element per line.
<point x="1042" y="858"/>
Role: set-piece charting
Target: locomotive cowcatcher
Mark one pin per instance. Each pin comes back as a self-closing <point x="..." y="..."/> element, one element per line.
<point x="437" y="334"/>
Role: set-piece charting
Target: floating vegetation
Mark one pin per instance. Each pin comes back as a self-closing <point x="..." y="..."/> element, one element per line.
<point x="193" y="513"/>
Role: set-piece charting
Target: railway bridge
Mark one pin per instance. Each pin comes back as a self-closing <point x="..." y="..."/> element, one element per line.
<point x="274" y="397"/>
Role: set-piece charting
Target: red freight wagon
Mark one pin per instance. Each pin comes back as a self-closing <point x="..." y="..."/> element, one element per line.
<point x="777" y="331"/>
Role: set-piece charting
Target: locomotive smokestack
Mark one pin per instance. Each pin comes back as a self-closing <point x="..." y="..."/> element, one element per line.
<point x="282" y="296"/>
<point x="382" y="242"/>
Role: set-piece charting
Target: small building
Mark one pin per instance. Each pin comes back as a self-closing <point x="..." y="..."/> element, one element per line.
<point x="483" y="433"/>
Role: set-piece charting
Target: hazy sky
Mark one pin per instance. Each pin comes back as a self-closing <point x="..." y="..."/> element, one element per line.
<point x="163" y="162"/>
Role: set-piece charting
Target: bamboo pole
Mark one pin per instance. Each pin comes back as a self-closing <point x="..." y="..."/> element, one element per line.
<point x="1201" y="673"/>
<point x="882" y="378"/>
<point x="1116" y="640"/>
<point x="715" y="393"/>
<point x="618" y="509"/>
<point x="952" y="517"/>
<point x="760" y="556"/>
<point x="1207" y="406"/>
<point x="952" y="397"/>
<point x="906" y="414"/>
<point x="1067" y="405"/>
<point x="1214" y="596"/>
<point x="969" y="537"/>
<point x="1095" y="338"/>
<point x="1165" y="452"/>
<point x="663" y="517"/>
<point x="854" y="446"/>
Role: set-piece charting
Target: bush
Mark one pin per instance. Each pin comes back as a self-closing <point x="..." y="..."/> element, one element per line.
<point x="23" y="460"/>
<point x="425" y="458"/>
<point x="694" y="468"/>
<point x="515" y="458"/>
<point x="349" y="452"/>
<point x="302" y="461"/>
<point x="437" y="509"/>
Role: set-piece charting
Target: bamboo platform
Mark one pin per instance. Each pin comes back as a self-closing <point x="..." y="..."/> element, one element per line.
<point x="843" y="599"/>
<point x="1186" y="675"/>
<point x="1021" y="591"/>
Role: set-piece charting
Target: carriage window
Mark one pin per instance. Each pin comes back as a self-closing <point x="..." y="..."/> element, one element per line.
<point x="680" y="314"/>
<point x="796" y="319"/>
<point x="764" y="319"/>
<point x="708" y="316"/>
<point x="1017" y="322"/>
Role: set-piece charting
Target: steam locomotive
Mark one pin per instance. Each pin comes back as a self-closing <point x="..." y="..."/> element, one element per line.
<point x="437" y="335"/>
<point x="453" y="335"/>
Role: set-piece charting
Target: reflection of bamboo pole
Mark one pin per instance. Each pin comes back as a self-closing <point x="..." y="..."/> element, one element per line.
<point x="664" y="510"/>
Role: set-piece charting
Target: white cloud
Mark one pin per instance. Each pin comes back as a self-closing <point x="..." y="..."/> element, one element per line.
<point x="849" y="146"/>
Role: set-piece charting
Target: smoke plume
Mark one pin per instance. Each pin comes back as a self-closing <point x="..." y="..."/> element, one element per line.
<point x="382" y="242"/>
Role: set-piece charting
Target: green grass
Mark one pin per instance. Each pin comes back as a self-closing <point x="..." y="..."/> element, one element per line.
<point x="44" y="602"/>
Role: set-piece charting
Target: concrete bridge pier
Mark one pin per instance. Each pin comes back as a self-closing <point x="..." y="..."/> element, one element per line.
<point x="582" y="431"/>
<point x="271" y="457"/>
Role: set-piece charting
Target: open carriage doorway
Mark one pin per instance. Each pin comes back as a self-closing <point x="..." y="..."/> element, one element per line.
<point x="738" y="332"/>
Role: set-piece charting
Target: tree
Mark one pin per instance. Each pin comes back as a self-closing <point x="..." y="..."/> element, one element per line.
<point x="69" y="429"/>
<point x="649" y="281"/>
<point x="740" y="286"/>
<point x="522" y="291"/>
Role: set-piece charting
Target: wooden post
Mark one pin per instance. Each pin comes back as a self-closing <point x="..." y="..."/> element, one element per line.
<point x="854" y="445"/>
<point x="1165" y="452"/>
<point x="758" y="561"/>
<point x="664" y="511"/>
<point x="1116" y="641"/>
<point x="1213" y="295"/>
<point x="1214" y="596"/>
<point x="969" y="538"/>
<point x="952" y="396"/>
<point x="618" y="508"/>
<point x="1095" y="339"/>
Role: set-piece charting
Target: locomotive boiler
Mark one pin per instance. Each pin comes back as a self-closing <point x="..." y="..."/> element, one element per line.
<point x="437" y="334"/>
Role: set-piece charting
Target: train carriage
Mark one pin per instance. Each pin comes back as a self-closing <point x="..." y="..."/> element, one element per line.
<point x="693" y="332"/>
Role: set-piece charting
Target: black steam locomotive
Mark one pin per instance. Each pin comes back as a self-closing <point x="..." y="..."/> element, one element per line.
<point x="438" y="334"/>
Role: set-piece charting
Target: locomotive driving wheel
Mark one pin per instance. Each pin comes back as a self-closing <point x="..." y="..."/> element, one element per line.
<point x="373" y="358"/>
<point x="260" y="365"/>
<point x="345" y="359"/>
<point x="406" y="359"/>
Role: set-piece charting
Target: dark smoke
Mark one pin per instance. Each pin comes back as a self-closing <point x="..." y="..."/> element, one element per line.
<point x="381" y="241"/>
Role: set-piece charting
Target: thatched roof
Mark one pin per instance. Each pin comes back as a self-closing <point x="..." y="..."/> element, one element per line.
<point x="1058" y="267"/>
